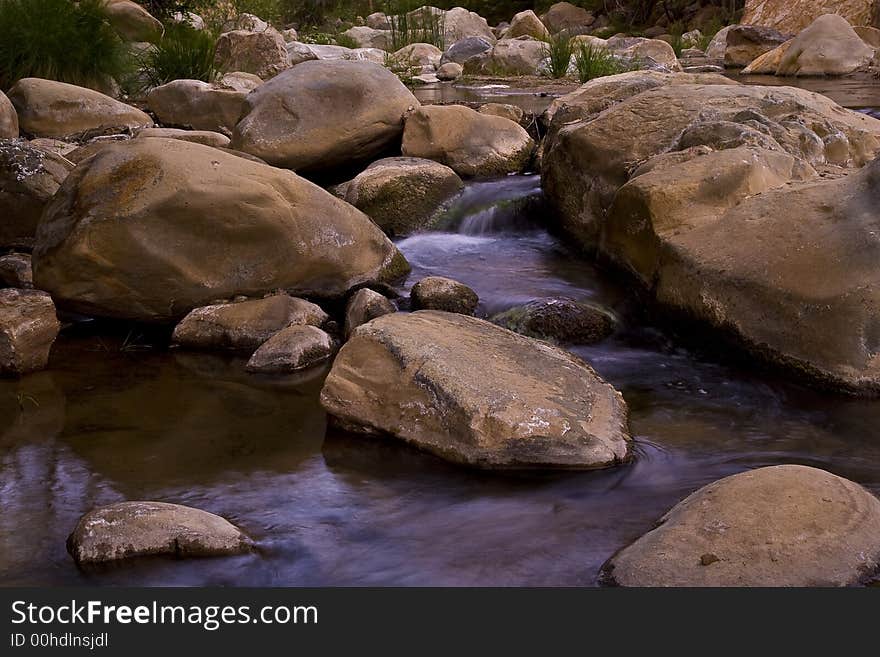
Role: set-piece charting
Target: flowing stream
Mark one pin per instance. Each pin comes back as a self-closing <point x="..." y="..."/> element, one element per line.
<point x="116" y="418"/>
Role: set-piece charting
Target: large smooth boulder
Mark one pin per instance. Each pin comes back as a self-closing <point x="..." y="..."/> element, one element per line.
<point x="461" y="51"/>
<point x="198" y="105"/>
<point x="403" y="194"/>
<point x="8" y="118"/>
<point x="588" y="156"/>
<point x="794" y="15"/>
<point x="566" y="17"/>
<point x="133" y="22"/>
<point x="28" y="327"/>
<point x="527" y="23"/>
<point x="56" y="109"/>
<point x="367" y="37"/>
<point x="509" y="57"/>
<point x="245" y="325"/>
<point x="292" y="349"/>
<point x="473" y="393"/>
<point x="29" y="177"/>
<point x="785" y="525"/>
<point x="459" y="23"/>
<point x="138" y="529"/>
<point x="151" y="229"/>
<point x="320" y="115"/>
<point x="470" y="143"/>
<point x="829" y="46"/>
<point x="262" y="53"/>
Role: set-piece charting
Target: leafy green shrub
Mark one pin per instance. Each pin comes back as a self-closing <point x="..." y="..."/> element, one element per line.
<point x="60" y="40"/>
<point x="592" y="62"/>
<point x="558" y="49"/>
<point x="183" y="53"/>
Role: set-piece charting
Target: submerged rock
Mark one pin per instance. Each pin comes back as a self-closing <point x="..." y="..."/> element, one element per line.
<point x="440" y="293"/>
<point x="403" y="194"/>
<point x="137" y="529"/>
<point x="470" y="143"/>
<point x="292" y="349"/>
<point x="183" y="224"/>
<point x="245" y="325"/>
<point x="559" y="320"/>
<point x="787" y="525"/>
<point x="365" y="305"/>
<point x="28" y="327"/>
<point x="55" y="109"/>
<point x="476" y="394"/>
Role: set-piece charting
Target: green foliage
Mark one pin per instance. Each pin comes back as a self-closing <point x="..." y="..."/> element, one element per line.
<point x="165" y="9"/>
<point x="402" y="69"/>
<point x="558" y="49"/>
<point x="676" y="30"/>
<point x="59" y="40"/>
<point x="423" y="26"/>
<point x="317" y="38"/>
<point x="183" y="53"/>
<point x="592" y="62"/>
<point x="346" y="41"/>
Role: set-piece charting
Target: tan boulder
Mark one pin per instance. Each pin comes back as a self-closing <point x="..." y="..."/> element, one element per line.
<point x="292" y="349"/>
<point x="566" y="17"/>
<point x="829" y="46"/>
<point x="367" y="37"/>
<point x="364" y="306"/>
<point x="198" y="105"/>
<point x="504" y="110"/>
<point x="29" y="177"/>
<point x="418" y="55"/>
<point x="403" y="194"/>
<point x="324" y="114"/>
<point x="8" y="118"/>
<point x="449" y="71"/>
<point x="786" y="525"/>
<point x="182" y="224"/>
<point x="792" y="16"/>
<point x="446" y="294"/>
<point x="470" y="143"/>
<point x="133" y="22"/>
<point x="378" y="21"/>
<point x="240" y="81"/>
<point x="245" y="325"/>
<point x="508" y="57"/>
<point x="527" y="23"/>
<point x="769" y="62"/>
<point x="262" y="53"/>
<point x="477" y="395"/>
<point x="645" y="53"/>
<point x="28" y="327"/>
<point x="745" y="43"/>
<point x="870" y="35"/>
<point x="205" y="137"/>
<point x="459" y="23"/>
<point x="137" y="529"/>
<point x="55" y="109"/>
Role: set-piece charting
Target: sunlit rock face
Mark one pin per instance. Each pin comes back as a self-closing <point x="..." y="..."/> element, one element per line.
<point x="794" y="15"/>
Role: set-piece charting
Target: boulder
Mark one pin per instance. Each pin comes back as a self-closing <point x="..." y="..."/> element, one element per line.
<point x="53" y="146"/>
<point x="15" y="271"/>
<point x="792" y="16"/>
<point x="367" y="37"/>
<point x="745" y="43"/>
<point x="403" y="194"/>
<point x="691" y="39"/>
<point x="138" y="529"/>
<point x="262" y="53"/>
<point x="509" y="112"/>
<point x="198" y="105"/>
<point x="205" y="137"/>
<point x="476" y="394"/>
<point x="292" y="349"/>
<point x="297" y="53"/>
<point x="367" y="55"/>
<point x="324" y="114"/>
<point x="28" y="327"/>
<point x="55" y="109"/>
<point x="461" y="51"/>
<point x="378" y="21"/>
<point x="566" y="17"/>
<point x="29" y="177"/>
<point x="589" y="155"/>
<point x="246" y="22"/>
<point x="785" y="525"/>
<point x="8" y="118"/>
<point x="718" y="44"/>
<point x="418" y="55"/>
<point x="459" y="23"/>
<point x="509" y="57"/>
<point x="240" y="81"/>
<point x="245" y="325"/>
<point x="527" y="23"/>
<point x="290" y="34"/>
<point x="829" y="46"/>
<point x="364" y="306"/>
<point x="559" y="320"/>
<point x="182" y="224"/>
<point x="446" y="294"/>
<point x="192" y="19"/>
<point x="645" y="53"/>
<point x="870" y="35"/>
<point x="769" y="62"/>
<point x="470" y="143"/>
<point x="449" y="71"/>
<point x="133" y="22"/>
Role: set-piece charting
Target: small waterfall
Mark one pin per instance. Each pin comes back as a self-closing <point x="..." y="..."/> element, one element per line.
<point x="506" y="205"/>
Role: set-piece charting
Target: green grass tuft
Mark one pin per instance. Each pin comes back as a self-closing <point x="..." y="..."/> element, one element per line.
<point x="592" y="62"/>
<point x="558" y="49"/>
<point x="183" y="54"/>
